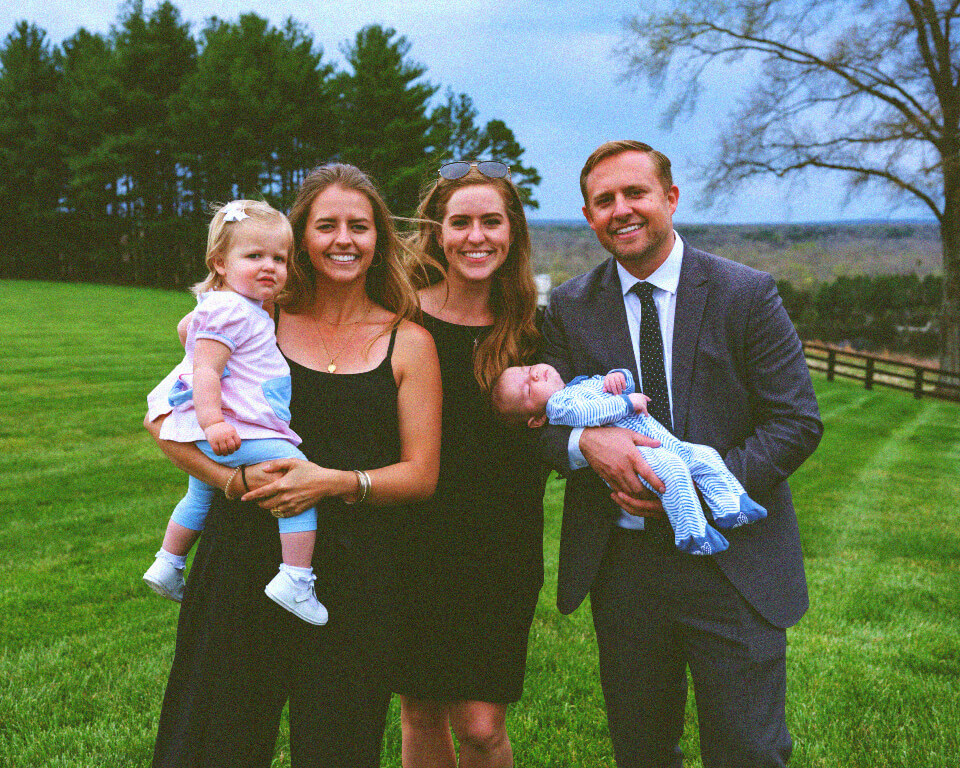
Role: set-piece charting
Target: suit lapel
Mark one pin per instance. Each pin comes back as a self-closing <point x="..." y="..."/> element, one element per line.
<point x="691" y="299"/>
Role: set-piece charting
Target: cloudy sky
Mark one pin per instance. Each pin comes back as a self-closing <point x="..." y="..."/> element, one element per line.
<point x="543" y="66"/>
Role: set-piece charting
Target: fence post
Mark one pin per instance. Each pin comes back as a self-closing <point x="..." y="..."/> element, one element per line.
<point x="918" y="383"/>
<point x="831" y="363"/>
<point x="868" y="378"/>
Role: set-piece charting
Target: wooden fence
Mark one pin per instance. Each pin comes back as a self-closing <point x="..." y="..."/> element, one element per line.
<point x="877" y="370"/>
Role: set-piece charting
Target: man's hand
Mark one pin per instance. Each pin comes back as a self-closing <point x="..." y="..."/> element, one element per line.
<point x="612" y="453"/>
<point x="645" y="504"/>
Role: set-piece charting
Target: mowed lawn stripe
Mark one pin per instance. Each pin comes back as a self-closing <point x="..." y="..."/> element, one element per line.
<point x="879" y="651"/>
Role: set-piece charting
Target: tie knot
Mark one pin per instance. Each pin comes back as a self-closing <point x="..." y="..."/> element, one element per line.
<point x="643" y="290"/>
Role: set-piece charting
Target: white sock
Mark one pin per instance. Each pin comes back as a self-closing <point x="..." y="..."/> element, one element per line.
<point x="297" y="573"/>
<point x="177" y="561"/>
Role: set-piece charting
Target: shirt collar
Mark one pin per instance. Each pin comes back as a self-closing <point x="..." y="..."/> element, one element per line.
<point x="666" y="277"/>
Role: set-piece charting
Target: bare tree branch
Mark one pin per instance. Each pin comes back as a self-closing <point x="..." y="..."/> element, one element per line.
<point x="871" y="92"/>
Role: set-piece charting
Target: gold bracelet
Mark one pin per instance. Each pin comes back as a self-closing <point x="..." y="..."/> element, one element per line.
<point x="226" y="488"/>
<point x="364" y="480"/>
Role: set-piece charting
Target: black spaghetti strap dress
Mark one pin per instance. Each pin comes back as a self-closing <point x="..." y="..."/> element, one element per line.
<point x="471" y="558"/>
<point x="239" y="657"/>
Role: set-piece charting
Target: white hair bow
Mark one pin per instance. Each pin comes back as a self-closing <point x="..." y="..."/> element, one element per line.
<point x="233" y="211"/>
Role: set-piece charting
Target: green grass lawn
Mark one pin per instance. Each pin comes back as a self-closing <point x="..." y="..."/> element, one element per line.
<point x="874" y="667"/>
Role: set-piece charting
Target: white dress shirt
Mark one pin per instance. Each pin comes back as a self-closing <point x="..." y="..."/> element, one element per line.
<point x="665" y="280"/>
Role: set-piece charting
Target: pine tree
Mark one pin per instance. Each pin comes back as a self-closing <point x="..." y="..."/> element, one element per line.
<point x="154" y="54"/>
<point x="89" y="97"/>
<point x="385" y="124"/>
<point x="32" y="171"/>
<point x="454" y="135"/>
<point x="257" y="112"/>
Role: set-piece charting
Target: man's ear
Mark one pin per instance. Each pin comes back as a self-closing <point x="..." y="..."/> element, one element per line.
<point x="537" y="421"/>
<point x="588" y="217"/>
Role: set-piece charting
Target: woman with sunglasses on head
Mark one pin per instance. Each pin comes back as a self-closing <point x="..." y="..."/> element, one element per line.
<point x="365" y="398"/>
<point x="471" y="558"/>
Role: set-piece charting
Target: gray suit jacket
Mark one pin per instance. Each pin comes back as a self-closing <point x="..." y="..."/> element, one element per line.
<point x="739" y="384"/>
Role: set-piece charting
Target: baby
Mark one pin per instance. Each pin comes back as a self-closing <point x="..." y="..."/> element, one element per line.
<point x="535" y="394"/>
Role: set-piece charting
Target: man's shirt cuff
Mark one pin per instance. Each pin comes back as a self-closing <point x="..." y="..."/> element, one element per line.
<point x="573" y="449"/>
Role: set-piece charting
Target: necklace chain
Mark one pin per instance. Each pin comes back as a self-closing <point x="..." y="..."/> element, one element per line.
<point x="332" y="365"/>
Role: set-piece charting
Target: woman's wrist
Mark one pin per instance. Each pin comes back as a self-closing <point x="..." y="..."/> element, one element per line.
<point x="359" y="487"/>
<point x="232" y="487"/>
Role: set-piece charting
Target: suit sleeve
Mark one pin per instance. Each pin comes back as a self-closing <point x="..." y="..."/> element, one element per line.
<point x="782" y="402"/>
<point x="556" y="352"/>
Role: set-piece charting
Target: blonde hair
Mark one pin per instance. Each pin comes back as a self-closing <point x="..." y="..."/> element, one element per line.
<point x="513" y="295"/>
<point x="222" y="234"/>
<point x="387" y="282"/>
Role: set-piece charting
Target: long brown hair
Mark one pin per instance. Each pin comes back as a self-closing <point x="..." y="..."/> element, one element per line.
<point x="513" y="295"/>
<point x="387" y="281"/>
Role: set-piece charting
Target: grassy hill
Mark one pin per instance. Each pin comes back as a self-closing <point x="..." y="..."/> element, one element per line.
<point x="804" y="254"/>
<point x="874" y="668"/>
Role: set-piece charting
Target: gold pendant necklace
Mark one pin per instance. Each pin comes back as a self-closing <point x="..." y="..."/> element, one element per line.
<point x="332" y="366"/>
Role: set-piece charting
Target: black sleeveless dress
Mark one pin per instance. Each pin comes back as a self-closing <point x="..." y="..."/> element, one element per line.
<point x="471" y="558"/>
<point x="239" y="657"/>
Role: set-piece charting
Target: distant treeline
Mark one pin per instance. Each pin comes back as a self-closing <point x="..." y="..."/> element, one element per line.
<point x="782" y="234"/>
<point x="113" y="146"/>
<point x="897" y="313"/>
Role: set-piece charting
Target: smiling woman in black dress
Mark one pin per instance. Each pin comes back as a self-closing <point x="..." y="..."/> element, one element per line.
<point x="471" y="560"/>
<point x="365" y="396"/>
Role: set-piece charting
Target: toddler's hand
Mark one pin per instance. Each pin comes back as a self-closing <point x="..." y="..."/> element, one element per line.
<point x="222" y="438"/>
<point x="639" y="402"/>
<point x="614" y="383"/>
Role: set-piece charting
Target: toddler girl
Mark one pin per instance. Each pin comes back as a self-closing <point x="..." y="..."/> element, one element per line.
<point x="231" y="396"/>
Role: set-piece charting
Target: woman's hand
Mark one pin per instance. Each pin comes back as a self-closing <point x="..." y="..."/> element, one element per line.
<point x="258" y="475"/>
<point x="293" y="485"/>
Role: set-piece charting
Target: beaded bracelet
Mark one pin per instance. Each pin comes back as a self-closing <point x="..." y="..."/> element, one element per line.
<point x="226" y="488"/>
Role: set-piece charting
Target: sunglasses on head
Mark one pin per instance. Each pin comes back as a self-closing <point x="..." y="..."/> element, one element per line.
<point x="492" y="169"/>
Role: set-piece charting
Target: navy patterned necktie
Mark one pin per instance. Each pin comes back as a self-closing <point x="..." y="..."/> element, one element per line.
<point x="652" y="373"/>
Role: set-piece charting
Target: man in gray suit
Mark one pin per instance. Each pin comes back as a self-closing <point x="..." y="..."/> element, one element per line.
<point x="708" y="339"/>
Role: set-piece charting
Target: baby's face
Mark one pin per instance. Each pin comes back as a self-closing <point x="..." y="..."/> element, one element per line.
<point x="530" y="386"/>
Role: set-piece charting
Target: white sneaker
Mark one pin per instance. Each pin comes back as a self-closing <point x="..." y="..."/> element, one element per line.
<point x="298" y="597"/>
<point x="165" y="580"/>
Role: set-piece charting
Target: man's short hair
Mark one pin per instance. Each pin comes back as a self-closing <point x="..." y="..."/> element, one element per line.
<point x="660" y="161"/>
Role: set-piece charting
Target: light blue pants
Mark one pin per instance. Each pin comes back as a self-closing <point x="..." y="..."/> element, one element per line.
<point x="192" y="510"/>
